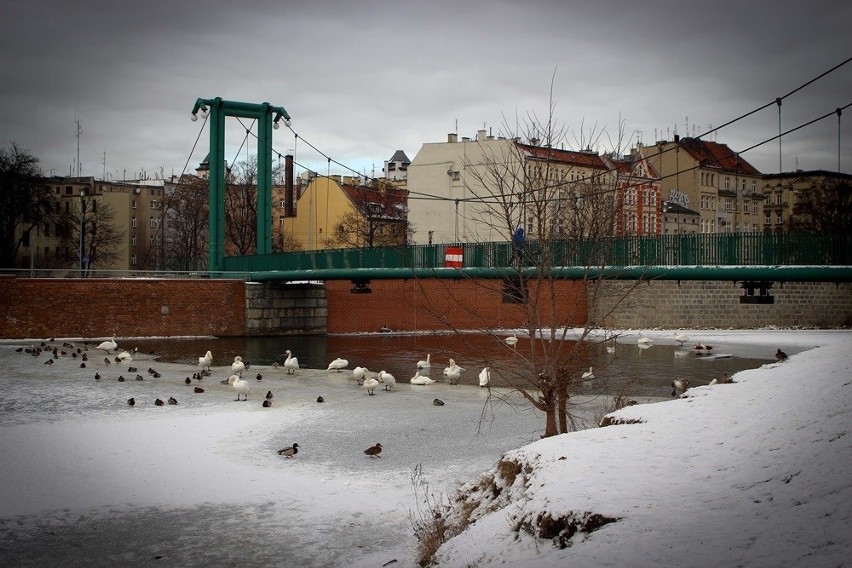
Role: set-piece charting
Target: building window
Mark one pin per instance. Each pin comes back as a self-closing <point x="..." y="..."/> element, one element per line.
<point x="753" y="186"/>
<point x="729" y="205"/>
<point x="133" y="204"/>
<point x="754" y="207"/>
<point x="133" y="241"/>
<point x="151" y="223"/>
<point x="727" y="182"/>
<point x="133" y="222"/>
<point x="778" y="197"/>
<point x="153" y="204"/>
<point x="133" y="260"/>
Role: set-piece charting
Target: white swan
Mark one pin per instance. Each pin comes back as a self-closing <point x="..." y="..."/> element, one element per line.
<point x="205" y="361"/>
<point x="484" y="377"/>
<point x="237" y="367"/>
<point x="370" y="384"/>
<point x="358" y="374"/>
<point x="643" y="340"/>
<point x="512" y="339"/>
<point x="338" y="364"/>
<point x="387" y="379"/>
<point x="681" y="337"/>
<point x="108" y="345"/>
<point x="240" y="385"/>
<point x="453" y="372"/>
<point x="291" y="363"/>
<point x="425" y="364"/>
<point x="588" y="375"/>
<point x="124" y="356"/>
<point x="419" y="379"/>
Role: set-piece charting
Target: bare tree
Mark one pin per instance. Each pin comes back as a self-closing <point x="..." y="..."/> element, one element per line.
<point x="377" y="217"/>
<point x="25" y="201"/>
<point x="187" y="224"/>
<point x="241" y="207"/>
<point x="568" y="204"/>
<point x="102" y="241"/>
<point x="824" y="208"/>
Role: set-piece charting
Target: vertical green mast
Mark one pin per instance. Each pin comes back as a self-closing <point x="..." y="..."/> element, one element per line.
<point x="267" y="117"/>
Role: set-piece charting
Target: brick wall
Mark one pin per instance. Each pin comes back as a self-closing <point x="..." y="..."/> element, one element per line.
<point x="407" y="305"/>
<point x="38" y="308"/>
<point x="699" y="304"/>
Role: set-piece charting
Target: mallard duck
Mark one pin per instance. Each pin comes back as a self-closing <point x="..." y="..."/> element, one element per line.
<point x="374" y="451"/>
<point x="289" y="451"/>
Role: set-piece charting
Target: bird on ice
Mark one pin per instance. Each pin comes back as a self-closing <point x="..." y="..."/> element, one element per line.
<point x="374" y="451"/>
<point x="291" y="363"/>
<point x="289" y="451"/>
<point x="387" y="379"/>
<point x="338" y="364"/>
<point x="206" y="361"/>
<point x="370" y="383"/>
<point x="237" y="367"/>
<point x="108" y="345"/>
<point x="240" y="385"/>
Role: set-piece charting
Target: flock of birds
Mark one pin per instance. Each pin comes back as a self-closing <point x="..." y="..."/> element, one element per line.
<point x="680" y="385"/>
<point x="367" y="381"/>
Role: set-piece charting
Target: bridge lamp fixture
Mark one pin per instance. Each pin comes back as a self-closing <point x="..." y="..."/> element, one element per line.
<point x="194" y="116"/>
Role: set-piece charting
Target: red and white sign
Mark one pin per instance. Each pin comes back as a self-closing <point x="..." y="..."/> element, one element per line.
<point x="453" y="257"/>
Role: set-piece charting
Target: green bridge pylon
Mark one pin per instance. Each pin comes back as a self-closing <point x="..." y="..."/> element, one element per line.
<point x="267" y="117"/>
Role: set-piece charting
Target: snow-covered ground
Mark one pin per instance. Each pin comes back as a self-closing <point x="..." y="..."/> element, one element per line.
<point x="754" y="473"/>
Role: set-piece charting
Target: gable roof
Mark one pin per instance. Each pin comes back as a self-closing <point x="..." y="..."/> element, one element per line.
<point x="715" y="155"/>
<point x="387" y="200"/>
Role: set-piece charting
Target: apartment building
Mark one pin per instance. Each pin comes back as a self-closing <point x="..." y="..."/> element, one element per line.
<point x="464" y="190"/>
<point x="783" y="190"/>
<point x="133" y="209"/>
<point x="712" y="179"/>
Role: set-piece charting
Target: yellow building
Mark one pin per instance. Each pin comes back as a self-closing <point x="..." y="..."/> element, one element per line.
<point x="783" y="190"/>
<point x="346" y="212"/>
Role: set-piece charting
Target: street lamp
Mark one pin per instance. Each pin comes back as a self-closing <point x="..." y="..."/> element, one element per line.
<point x="82" y="227"/>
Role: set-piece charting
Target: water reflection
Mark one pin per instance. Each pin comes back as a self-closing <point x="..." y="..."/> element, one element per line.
<point x="649" y="371"/>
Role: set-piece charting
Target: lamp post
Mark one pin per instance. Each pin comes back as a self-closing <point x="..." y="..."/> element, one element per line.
<point x="82" y="228"/>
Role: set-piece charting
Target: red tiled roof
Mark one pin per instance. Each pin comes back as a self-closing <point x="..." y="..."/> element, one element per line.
<point x="388" y="196"/>
<point x="717" y="155"/>
<point x="582" y="159"/>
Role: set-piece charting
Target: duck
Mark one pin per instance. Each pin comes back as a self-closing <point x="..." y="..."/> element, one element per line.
<point x="780" y="355"/>
<point x="374" y="451"/>
<point x="268" y="395"/>
<point x="387" y="379"/>
<point x="437" y="402"/>
<point x="484" y="377"/>
<point x="425" y="364"/>
<point x="723" y="380"/>
<point x="289" y="451"/>
<point x="159" y="402"/>
<point x="679" y="385"/>
<point x="588" y="375"/>
<point x="512" y="339"/>
<point x="198" y="389"/>
<point x="131" y="401"/>
<point x="237" y="367"/>
<point x="206" y="361"/>
<point x="358" y="373"/>
<point x="370" y="384"/>
<point x="453" y="372"/>
<point x="259" y="377"/>
<point x="172" y="400"/>
<point x="703" y="347"/>
<point x="385" y="329"/>
<point x="681" y="338"/>
<point x="291" y="363"/>
<point x="240" y="385"/>
<point x="320" y="399"/>
<point x="419" y="379"/>
<point x="108" y="345"/>
<point x="338" y="364"/>
<point x="266" y="403"/>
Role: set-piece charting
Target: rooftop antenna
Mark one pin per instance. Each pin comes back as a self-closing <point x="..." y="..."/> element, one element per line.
<point x="104" y="163"/>
<point x="79" y="131"/>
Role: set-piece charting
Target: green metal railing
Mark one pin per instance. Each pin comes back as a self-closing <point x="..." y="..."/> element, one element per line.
<point x="743" y="249"/>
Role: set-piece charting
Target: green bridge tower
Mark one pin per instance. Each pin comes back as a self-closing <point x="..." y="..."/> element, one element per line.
<point x="267" y="117"/>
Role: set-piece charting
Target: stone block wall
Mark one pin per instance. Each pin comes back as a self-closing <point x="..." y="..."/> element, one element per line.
<point x="279" y="308"/>
<point x="711" y="304"/>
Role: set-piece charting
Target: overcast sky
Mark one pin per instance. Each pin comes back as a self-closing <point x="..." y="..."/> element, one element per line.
<point x="363" y="79"/>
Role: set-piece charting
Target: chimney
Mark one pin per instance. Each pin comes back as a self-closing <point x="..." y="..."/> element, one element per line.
<point x="289" y="210"/>
<point x="480" y="135"/>
<point x="452" y="137"/>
